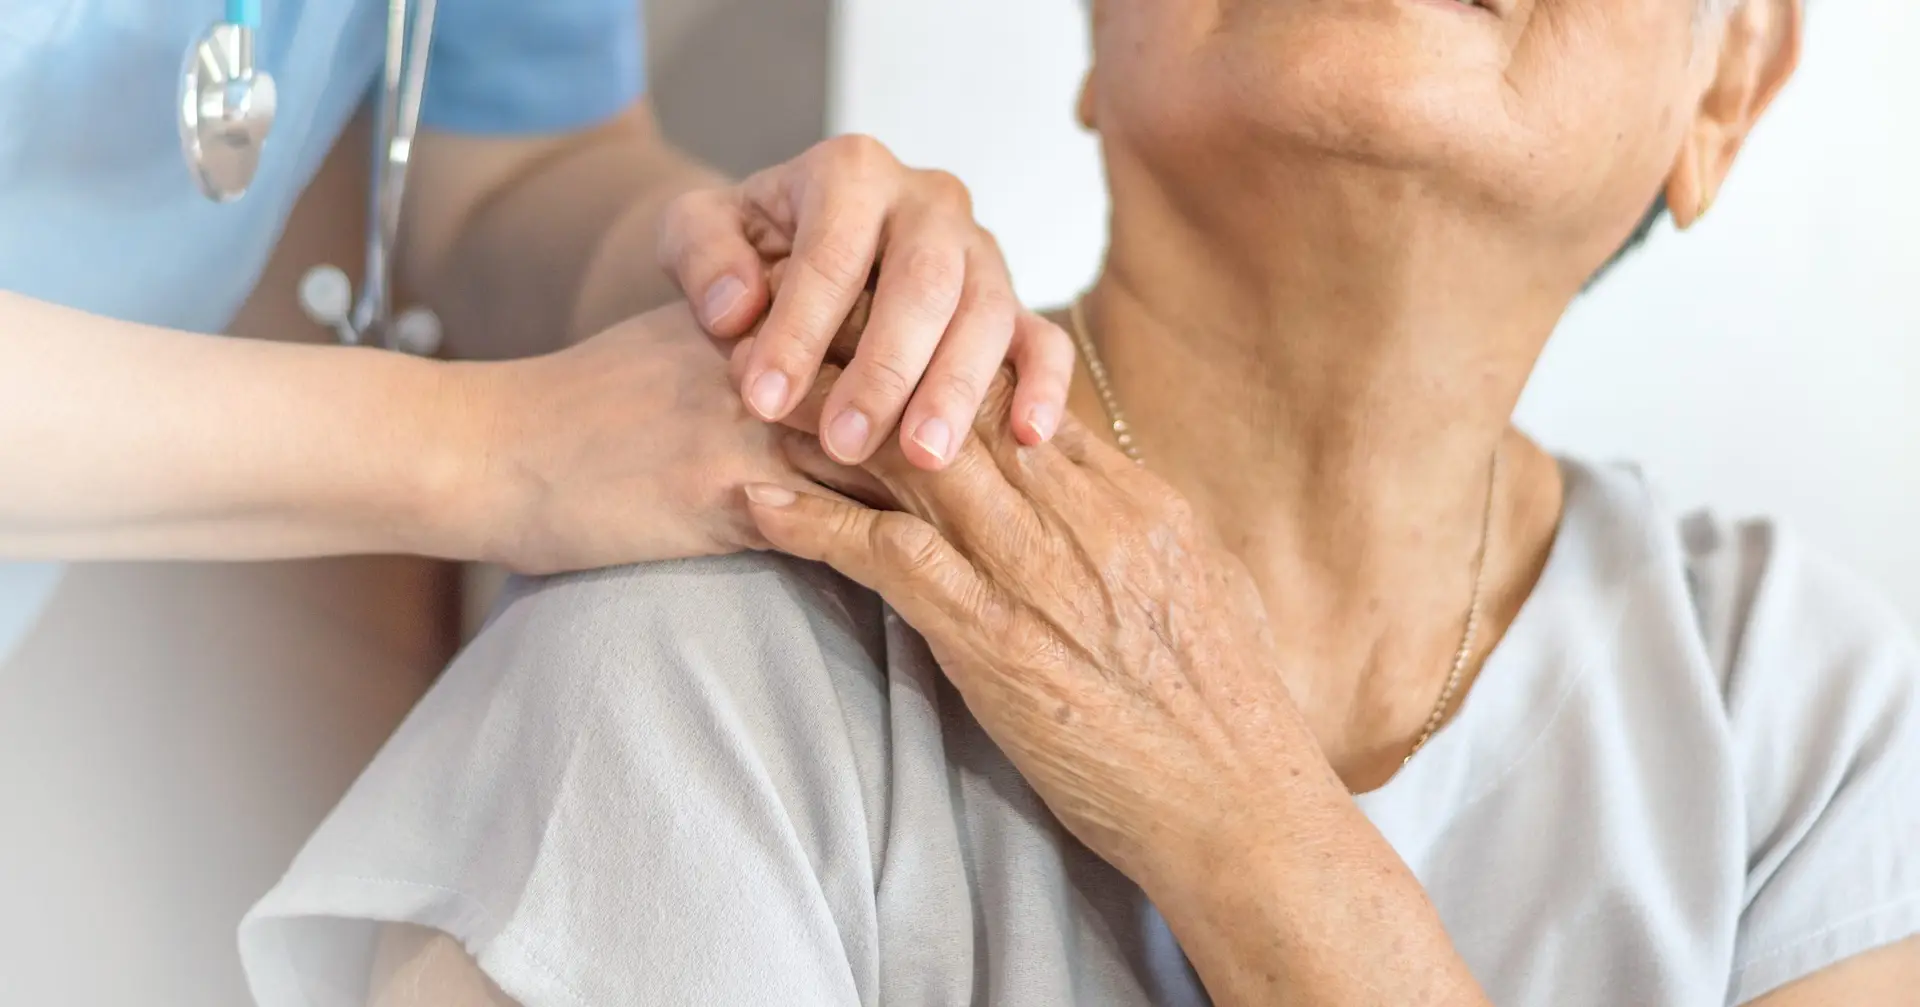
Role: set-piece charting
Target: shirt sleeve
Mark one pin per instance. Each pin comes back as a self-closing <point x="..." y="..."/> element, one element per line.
<point x="1822" y="685"/>
<point x="509" y="67"/>
<point x="628" y="789"/>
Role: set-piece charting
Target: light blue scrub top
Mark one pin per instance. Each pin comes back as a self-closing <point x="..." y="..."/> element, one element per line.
<point x="98" y="210"/>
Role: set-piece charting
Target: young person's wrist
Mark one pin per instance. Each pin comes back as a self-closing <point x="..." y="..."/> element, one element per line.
<point x="442" y="496"/>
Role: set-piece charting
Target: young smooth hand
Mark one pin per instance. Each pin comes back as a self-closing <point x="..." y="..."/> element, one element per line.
<point x="627" y="447"/>
<point x="849" y="217"/>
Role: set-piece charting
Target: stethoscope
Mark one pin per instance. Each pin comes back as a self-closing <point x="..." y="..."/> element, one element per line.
<point x="226" y="112"/>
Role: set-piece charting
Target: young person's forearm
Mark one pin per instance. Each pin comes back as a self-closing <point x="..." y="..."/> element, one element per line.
<point x="526" y="245"/>
<point x="1326" y="914"/>
<point x="120" y="441"/>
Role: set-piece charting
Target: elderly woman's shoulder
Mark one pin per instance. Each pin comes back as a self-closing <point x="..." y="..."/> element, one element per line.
<point x="1819" y="679"/>
<point x="1792" y="634"/>
<point x="1766" y="594"/>
<point x="1744" y="575"/>
<point x="1762" y="574"/>
<point x="612" y="748"/>
<point x="1761" y="697"/>
<point x="715" y="595"/>
<point x="755" y="627"/>
<point x="1783" y="626"/>
<point x="1803" y="651"/>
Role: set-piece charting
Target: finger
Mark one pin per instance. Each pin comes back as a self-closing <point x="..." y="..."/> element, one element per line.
<point x="923" y="274"/>
<point x="1044" y="477"/>
<point x="737" y="362"/>
<point x="974" y="501"/>
<point x="1043" y="358"/>
<point x="777" y="274"/>
<point x="1091" y="448"/>
<point x="804" y="453"/>
<point x="840" y="225"/>
<point x="846" y="342"/>
<point x="1057" y="475"/>
<point x="1076" y="441"/>
<point x="896" y="555"/>
<point x="704" y="248"/>
<point x="950" y="398"/>
<point x="806" y="416"/>
<point x="745" y="533"/>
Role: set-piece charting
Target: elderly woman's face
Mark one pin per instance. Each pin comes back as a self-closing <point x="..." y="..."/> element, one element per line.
<point x="1536" y="104"/>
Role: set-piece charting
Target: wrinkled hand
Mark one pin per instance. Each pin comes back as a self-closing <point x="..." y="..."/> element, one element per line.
<point x="630" y="446"/>
<point x="1109" y="646"/>
<point x="944" y="311"/>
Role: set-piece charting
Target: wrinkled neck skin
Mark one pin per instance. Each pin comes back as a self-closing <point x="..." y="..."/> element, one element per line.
<point x="1324" y="362"/>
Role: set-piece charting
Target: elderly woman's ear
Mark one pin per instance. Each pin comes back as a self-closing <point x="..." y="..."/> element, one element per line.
<point x="1758" y="51"/>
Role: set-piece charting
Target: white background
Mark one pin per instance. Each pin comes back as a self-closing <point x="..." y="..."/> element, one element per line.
<point x="1763" y="363"/>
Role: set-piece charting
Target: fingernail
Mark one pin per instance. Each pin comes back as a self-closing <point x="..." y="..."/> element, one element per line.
<point x="1042" y="420"/>
<point x="935" y="436"/>
<point x="769" y="495"/>
<point x="768" y="394"/>
<point x="723" y="297"/>
<point x="847" y="436"/>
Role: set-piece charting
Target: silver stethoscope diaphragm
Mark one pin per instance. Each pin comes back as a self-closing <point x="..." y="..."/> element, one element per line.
<point x="226" y="111"/>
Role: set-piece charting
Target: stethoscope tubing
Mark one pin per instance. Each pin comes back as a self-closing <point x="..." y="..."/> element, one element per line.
<point x="243" y="13"/>
<point x="397" y="122"/>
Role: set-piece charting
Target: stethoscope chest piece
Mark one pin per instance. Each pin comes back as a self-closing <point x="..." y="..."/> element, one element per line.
<point x="226" y="111"/>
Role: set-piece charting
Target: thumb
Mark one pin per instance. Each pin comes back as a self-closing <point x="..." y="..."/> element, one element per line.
<point x="898" y="556"/>
<point x="704" y="247"/>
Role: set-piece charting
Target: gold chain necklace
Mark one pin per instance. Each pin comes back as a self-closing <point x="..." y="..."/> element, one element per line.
<point x="1123" y="435"/>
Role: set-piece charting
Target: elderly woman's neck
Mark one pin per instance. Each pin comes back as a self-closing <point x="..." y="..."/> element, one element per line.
<point x="1321" y="397"/>
<point x="1340" y="436"/>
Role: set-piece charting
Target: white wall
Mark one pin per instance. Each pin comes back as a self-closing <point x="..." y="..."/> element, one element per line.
<point x="984" y="89"/>
<point x="1764" y="363"/>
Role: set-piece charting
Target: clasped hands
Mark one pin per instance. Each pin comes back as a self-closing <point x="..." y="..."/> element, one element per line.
<point x="630" y="447"/>
<point x="1092" y="624"/>
<point x="1090" y="621"/>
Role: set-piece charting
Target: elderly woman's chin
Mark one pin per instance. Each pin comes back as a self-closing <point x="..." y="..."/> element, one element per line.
<point x="1453" y="91"/>
<point x="1386" y="134"/>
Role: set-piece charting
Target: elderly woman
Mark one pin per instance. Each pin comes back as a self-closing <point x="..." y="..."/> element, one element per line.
<point x="1343" y="693"/>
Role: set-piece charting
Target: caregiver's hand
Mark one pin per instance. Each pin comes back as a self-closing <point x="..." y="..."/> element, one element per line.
<point x="629" y="446"/>
<point x="1116" y="654"/>
<point x="121" y="441"/>
<point x="944" y="307"/>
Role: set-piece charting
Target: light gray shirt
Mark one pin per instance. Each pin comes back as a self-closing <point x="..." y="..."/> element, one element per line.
<point x="1689" y="774"/>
